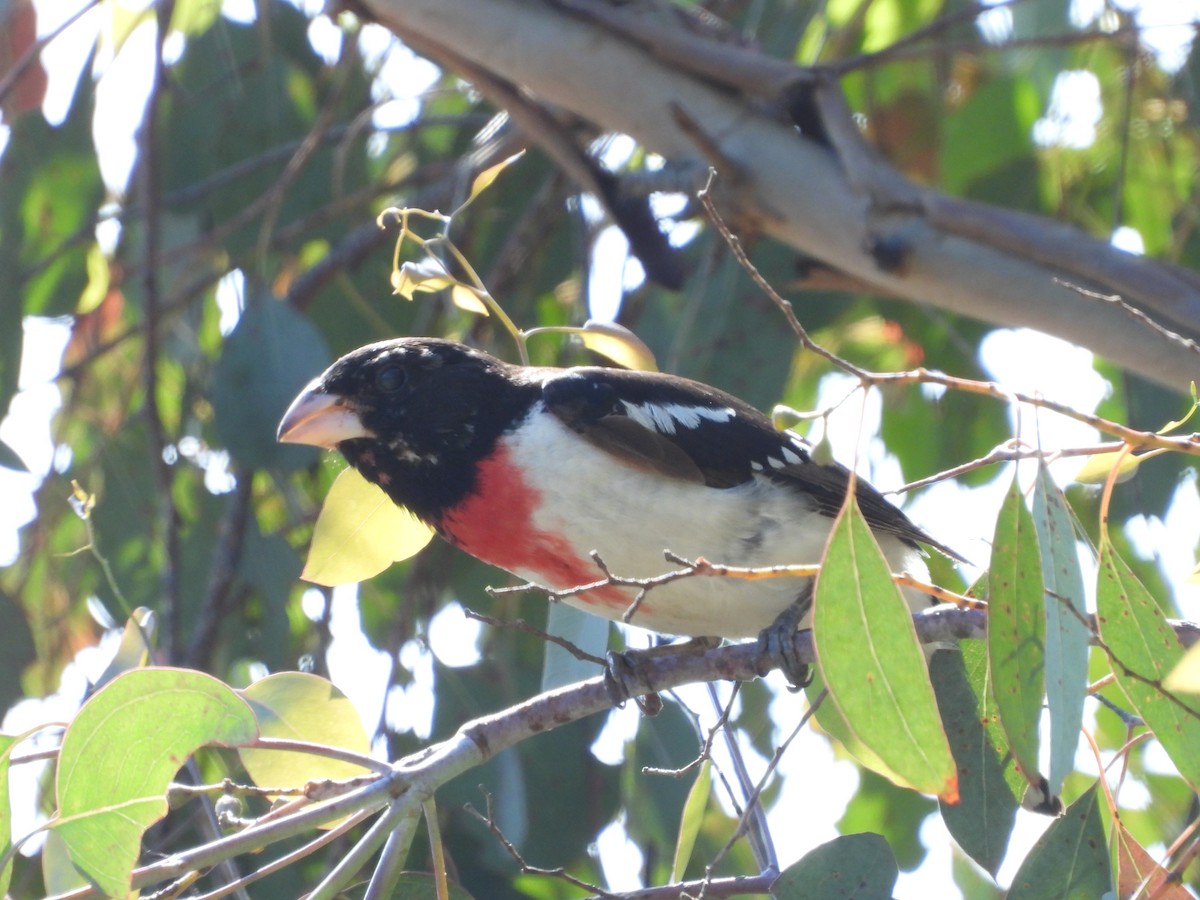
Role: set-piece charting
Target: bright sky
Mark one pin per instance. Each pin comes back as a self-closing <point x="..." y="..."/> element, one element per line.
<point x="814" y="780"/>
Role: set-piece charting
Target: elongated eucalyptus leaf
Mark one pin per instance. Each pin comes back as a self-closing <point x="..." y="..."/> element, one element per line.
<point x="1067" y="634"/>
<point x="1144" y="650"/>
<point x="1017" y="630"/>
<point x="1069" y="861"/>
<point x="872" y="663"/>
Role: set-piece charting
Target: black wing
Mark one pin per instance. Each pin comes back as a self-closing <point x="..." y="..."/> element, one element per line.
<point x="691" y="431"/>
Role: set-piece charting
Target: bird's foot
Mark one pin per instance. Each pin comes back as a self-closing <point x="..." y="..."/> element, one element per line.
<point x="777" y="645"/>
<point x="625" y="675"/>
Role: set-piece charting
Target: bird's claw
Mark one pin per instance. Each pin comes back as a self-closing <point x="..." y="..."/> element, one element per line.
<point x="777" y="645"/>
<point x="625" y="678"/>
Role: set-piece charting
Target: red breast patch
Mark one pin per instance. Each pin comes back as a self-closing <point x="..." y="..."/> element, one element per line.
<point x="496" y="524"/>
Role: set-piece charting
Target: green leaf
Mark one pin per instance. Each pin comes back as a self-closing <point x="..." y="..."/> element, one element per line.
<point x="975" y="660"/>
<point x="360" y="532"/>
<point x="1070" y="861"/>
<point x="982" y="821"/>
<point x="1016" y="630"/>
<point x="1144" y="649"/>
<point x="6" y="844"/>
<point x="119" y="756"/>
<point x="692" y="819"/>
<point x="858" y="866"/>
<point x="265" y="361"/>
<point x="303" y="707"/>
<point x="1067" y="635"/>
<point x="871" y="660"/>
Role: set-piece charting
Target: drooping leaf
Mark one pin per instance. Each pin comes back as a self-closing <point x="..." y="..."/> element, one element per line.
<point x="691" y="820"/>
<point x="303" y="707"/>
<point x="1144" y="649"/>
<point x="1016" y="630"/>
<point x="120" y="753"/>
<point x="6" y="836"/>
<point x="1067" y="634"/>
<point x="858" y="866"/>
<point x="484" y="179"/>
<point x="1070" y="861"/>
<point x="982" y="821"/>
<point x="360" y="532"/>
<point x="871" y="660"/>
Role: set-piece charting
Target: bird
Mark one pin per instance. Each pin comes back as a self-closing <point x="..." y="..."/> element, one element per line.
<point x="540" y="470"/>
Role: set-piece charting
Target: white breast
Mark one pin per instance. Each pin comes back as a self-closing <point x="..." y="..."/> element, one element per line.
<point x="630" y="517"/>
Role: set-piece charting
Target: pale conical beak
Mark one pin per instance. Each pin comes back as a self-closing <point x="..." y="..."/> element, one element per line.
<point x="320" y="419"/>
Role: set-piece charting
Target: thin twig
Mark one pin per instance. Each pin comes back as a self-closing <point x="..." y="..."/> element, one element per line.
<point x="522" y="625"/>
<point x="489" y="822"/>
<point x="148" y="180"/>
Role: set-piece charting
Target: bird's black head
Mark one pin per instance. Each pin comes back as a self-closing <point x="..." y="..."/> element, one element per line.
<point x="413" y="415"/>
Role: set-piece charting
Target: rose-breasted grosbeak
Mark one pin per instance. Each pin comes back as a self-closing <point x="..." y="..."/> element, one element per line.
<point x="533" y="469"/>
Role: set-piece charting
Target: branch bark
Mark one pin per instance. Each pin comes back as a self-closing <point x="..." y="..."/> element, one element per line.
<point x="635" y="69"/>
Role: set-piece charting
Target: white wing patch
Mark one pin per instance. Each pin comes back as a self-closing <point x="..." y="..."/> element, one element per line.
<point x="666" y="417"/>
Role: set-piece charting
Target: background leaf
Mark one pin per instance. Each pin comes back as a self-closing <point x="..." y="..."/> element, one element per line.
<point x="121" y="752"/>
<point x="870" y="659"/>
<point x="360" y="532"/>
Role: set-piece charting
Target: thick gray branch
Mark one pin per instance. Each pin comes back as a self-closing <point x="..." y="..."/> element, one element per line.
<point x="634" y="68"/>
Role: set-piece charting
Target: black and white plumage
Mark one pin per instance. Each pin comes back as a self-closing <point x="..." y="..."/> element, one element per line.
<point x="532" y="469"/>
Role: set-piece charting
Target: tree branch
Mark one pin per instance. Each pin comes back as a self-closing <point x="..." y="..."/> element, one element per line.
<point x="833" y="202"/>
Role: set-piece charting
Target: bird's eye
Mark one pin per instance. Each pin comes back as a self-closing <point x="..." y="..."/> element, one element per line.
<point x="391" y="379"/>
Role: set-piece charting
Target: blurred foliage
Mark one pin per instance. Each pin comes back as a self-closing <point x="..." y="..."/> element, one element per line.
<point x="259" y="182"/>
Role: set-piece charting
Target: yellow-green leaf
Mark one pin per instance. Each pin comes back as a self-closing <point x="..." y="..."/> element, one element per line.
<point x="1016" y="635"/>
<point x="871" y="660"/>
<point x="485" y="178"/>
<point x="466" y="298"/>
<point x="119" y="756"/>
<point x="303" y="707"/>
<point x="360" y="532"/>
<point x="1096" y="469"/>
<point x="1144" y="650"/>
<point x="691" y="820"/>
<point x="619" y="344"/>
